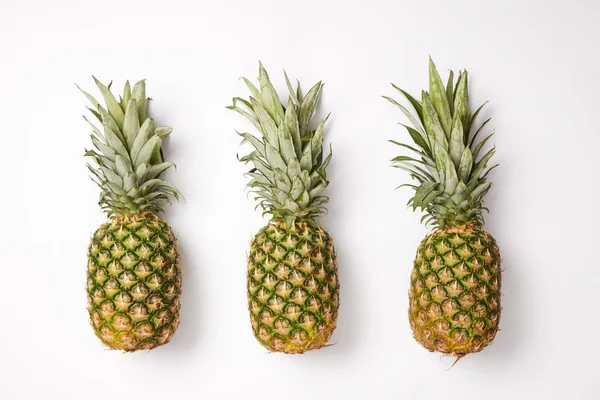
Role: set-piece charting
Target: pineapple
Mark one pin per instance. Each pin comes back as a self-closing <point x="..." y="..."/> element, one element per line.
<point x="454" y="290"/>
<point x="133" y="275"/>
<point x="292" y="283"/>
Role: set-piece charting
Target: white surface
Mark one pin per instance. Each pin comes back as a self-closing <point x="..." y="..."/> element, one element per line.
<point x="536" y="62"/>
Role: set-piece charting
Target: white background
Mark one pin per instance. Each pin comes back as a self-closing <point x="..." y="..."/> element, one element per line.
<point x="536" y="62"/>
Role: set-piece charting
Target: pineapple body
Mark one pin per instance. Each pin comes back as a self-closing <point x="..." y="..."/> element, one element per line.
<point x="455" y="291"/>
<point x="134" y="282"/>
<point x="293" y="289"/>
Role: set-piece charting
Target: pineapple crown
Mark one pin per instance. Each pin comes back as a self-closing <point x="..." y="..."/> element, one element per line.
<point x="289" y="169"/>
<point x="128" y="156"/>
<point x="451" y="173"/>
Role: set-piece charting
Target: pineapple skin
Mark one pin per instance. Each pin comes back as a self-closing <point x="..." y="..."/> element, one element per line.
<point x="455" y="291"/>
<point x="134" y="282"/>
<point x="293" y="287"/>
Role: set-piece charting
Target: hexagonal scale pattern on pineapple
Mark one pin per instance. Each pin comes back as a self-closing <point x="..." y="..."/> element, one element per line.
<point x="293" y="288"/>
<point x="455" y="291"/>
<point x="134" y="282"/>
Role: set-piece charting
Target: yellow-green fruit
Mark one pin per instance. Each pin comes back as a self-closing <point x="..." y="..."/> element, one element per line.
<point x="134" y="282"/>
<point x="455" y="291"/>
<point x="293" y="289"/>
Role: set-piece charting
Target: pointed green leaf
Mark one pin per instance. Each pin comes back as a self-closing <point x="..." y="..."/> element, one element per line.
<point x="446" y="168"/>
<point x="112" y="177"/>
<point x="316" y="142"/>
<point x="115" y="142"/>
<point x="129" y="181"/>
<point x="414" y="102"/>
<point x="465" y="165"/>
<point x="291" y="121"/>
<point x="258" y="145"/>
<point x="477" y="132"/>
<point x="479" y="190"/>
<point x="293" y="168"/>
<point x="290" y="89"/>
<point x="112" y="105"/>
<point x="144" y="134"/>
<point x="423" y="190"/>
<point x="131" y="124"/>
<point x="126" y="96"/>
<point x="413" y="120"/>
<point x="297" y="188"/>
<point x="457" y="145"/>
<point x="318" y="189"/>
<point x="253" y="90"/>
<point x="461" y="100"/>
<point x="245" y="114"/>
<point x="472" y="119"/>
<point x="270" y="98"/>
<point x="480" y="145"/>
<point x="307" y="108"/>
<point x="438" y="99"/>
<point x="123" y="165"/>
<point x="139" y="94"/>
<point x="155" y="171"/>
<point x="268" y="126"/>
<point x="163" y="131"/>
<point x="286" y="145"/>
<point x="433" y="127"/>
<point x="145" y="153"/>
<point x="273" y="158"/>
<point x="450" y="91"/>
<point x="89" y="97"/>
<point x="282" y="181"/>
<point x="306" y="161"/>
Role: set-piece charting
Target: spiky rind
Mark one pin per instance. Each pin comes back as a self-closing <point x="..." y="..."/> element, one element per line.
<point x="134" y="282"/>
<point x="455" y="291"/>
<point x="128" y="156"/>
<point x="293" y="288"/>
<point x="451" y="174"/>
<point x="289" y="167"/>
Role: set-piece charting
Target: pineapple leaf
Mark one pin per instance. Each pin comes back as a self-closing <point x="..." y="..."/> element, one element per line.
<point x="413" y="120"/>
<point x="291" y="121"/>
<point x="147" y="150"/>
<point x="258" y="145"/>
<point x="472" y="119"/>
<point x="477" y="132"/>
<point x="144" y="134"/>
<point x="255" y="92"/>
<point x="438" y="99"/>
<point x="139" y="94"/>
<point x="421" y="193"/>
<point x="419" y="140"/>
<point x="123" y="166"/>
<point x="111" y="103"/>
<point x="450" y="91"/>
<point x="291" y="89"/>
<point x="307" y="108"/>
<point x="432" y="124"/>
<point x="286" y="144"/>
<point x="465" y="165"/>
<point x="268" y="126"/>
<point x="270" y="99"/>
<point x="131" y="123"/>
<point x="461" y="101"/>
<point x="480" y="145"/>
<point x="282" y="181"/>
<point x="457" y="145"/>
<point x="126" y="96"/>
<point x="274" y="158"/>
<point x="414" y="102"/>
<point x="163" y="131"/>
